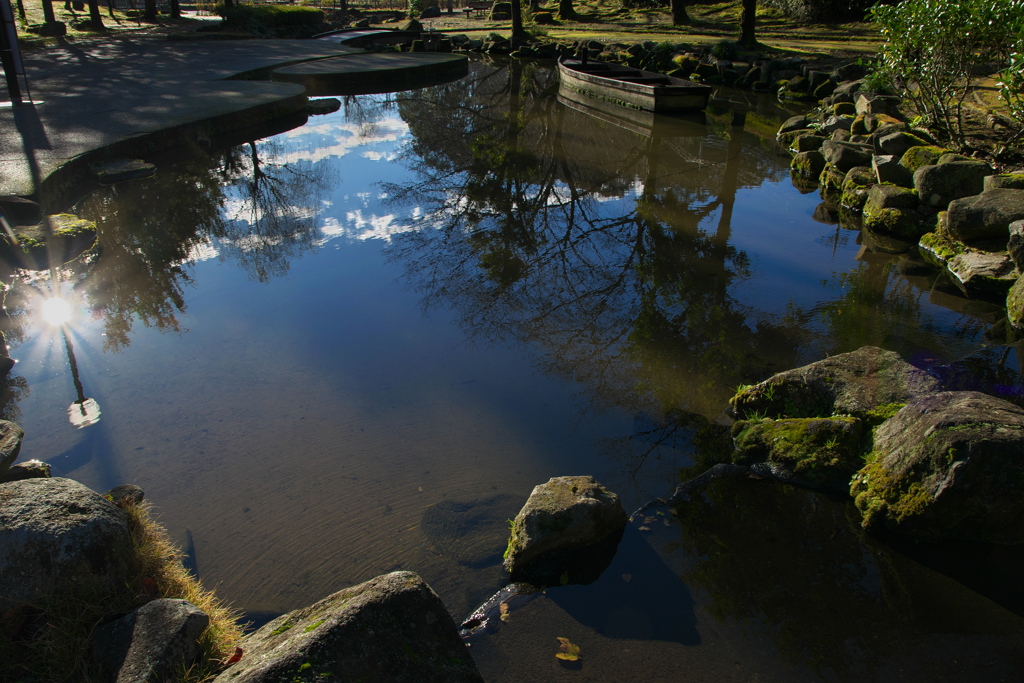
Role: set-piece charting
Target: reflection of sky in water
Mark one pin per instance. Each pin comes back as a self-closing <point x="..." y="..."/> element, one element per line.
<point x="299" y="426"/>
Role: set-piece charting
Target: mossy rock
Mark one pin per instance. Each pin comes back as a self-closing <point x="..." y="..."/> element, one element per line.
<point x="831" y="181"/>
<point x="1015" y="305"/>
<point x="808" y="164"/>
<point x="824" y="89"/>
<point x="788" y="138"/>
<point x="858" y="127"/>
<point x="34" y="249"/>
<point x="897" y="222"/>
<point x="566" y="521"/>
<point x="1013" y="181"/>
<point x="855" y="187"/>
<point x="873" y="122"/>
<point x="822" y="452"/>
<point x="949" y="465"/>
<point x="926" y="155"/>
<point x="845" y="109"/>
<point x="983" y="274"/>
<point x="851" y="383"/>
<point x="938" y="249"/>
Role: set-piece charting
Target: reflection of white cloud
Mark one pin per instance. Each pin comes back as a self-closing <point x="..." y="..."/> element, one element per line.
<point x="202" y="252"/>
<point x="358" y="226"/>
<point x="332" y="139"/>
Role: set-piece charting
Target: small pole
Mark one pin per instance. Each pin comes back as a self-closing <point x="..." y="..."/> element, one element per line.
<point x="10" y="55"/>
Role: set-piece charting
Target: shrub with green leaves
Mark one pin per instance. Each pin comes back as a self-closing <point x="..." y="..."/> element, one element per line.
<point x="272" y="19"/>
<point x="933" y="47"/>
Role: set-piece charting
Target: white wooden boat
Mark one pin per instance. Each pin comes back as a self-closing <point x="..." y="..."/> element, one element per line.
<point x="632" y="87"/>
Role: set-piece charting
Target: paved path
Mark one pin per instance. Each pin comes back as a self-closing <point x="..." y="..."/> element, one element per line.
<point x="90" y="96"/>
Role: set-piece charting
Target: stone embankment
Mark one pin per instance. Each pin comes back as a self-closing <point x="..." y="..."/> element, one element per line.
<point x="908" y="194"/>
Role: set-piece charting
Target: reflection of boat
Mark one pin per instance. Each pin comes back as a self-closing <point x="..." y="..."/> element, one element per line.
<point x="632" y="87"/>
<point x="639" y="121"/>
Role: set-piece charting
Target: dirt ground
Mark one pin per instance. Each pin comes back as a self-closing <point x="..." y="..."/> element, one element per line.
<point x="608" y="21"/>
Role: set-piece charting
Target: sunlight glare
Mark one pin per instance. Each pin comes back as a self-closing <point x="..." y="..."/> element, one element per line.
<point x="56" y="311"/>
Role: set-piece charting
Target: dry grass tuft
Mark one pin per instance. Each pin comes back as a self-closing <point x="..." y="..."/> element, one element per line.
<point x="51" y="641"/>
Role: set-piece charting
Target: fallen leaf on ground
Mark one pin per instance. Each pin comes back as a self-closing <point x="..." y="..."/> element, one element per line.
<point x="569" y="652"/>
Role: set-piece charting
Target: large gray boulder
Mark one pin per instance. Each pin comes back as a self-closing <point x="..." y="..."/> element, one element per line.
<point x="940" y="184"/>
<point x="567" y="527"/>
<point x="152" y="643"/>
<point x="947" y="466"/>
<point x="390" y="629"/>
<point x="1015" y="304"/>
<point x="985" y="215"/>
<point x="853" y="383"/>
<point x="58" y="539"/>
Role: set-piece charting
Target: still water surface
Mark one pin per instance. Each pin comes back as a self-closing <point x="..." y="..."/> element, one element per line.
<point x="356" y="347"/>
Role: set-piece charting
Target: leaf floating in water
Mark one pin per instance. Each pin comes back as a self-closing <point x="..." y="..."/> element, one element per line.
<point x="627" y="577"/>
<point x="569" y="652"/>
<point x="564" y="579"/>
<point x="503" y="609"/>
<point x="420" y="489"/>
<point x="644" y="528"/>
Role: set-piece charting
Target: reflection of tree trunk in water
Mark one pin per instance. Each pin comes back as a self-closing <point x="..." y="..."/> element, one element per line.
<point x="730" y="179"/>
<point x="257" y="173"/>
<point x="653" y="156"/>
<point x="79" y="390"/>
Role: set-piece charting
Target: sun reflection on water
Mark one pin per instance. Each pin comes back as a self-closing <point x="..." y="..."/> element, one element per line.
<point x="56" y="311"/>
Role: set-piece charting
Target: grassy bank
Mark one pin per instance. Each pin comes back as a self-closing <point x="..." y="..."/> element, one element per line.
<point x="51" y="642"/>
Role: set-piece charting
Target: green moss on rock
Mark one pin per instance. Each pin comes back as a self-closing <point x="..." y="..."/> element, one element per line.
<point x="824" y="451"/>
<point x="938" y="250"/>
<point x="924" y="155"/>
<point x="898" y="222"/>
<point x="856" y="184"/>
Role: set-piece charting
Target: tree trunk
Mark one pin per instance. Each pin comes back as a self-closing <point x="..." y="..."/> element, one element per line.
<point x="747" y="38"/>
<point x="95" y="20"/>
<point x="566" y="10"/>
<point x="150" y="11"/>
<point x="48" y="16"/>
<point x="176" y="9"/>
<point x="21" y="10"/>
<point x="518" y="32"/>
<point x="679" y="15"/>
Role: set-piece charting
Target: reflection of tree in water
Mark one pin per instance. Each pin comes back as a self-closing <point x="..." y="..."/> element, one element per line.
<point x="801" y="573"/>
<point x="147" y="231"/>
<point x="272" y="207"/>
<point x="536" y="239"/>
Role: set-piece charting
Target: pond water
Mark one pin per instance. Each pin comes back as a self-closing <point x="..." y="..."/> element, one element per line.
<point x="356" y="346"/>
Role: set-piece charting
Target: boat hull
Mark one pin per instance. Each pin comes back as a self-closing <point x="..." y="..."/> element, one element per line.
<point x="632" y="88"/>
